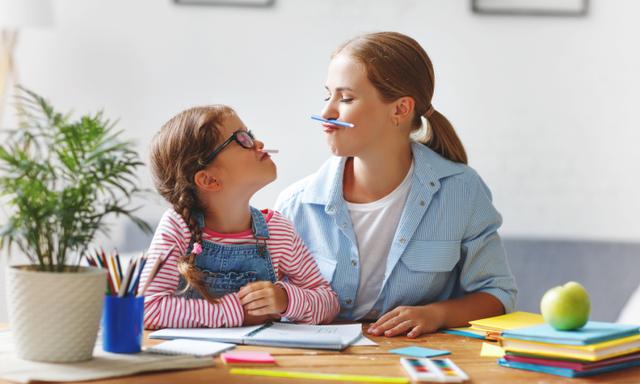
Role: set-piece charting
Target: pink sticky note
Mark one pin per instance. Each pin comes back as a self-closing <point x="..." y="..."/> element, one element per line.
<point x="247" y="358"/>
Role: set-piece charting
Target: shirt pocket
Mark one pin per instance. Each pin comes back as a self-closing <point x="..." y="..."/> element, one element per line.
<point x="327" y="267"/>
<point x="431" y="256"/>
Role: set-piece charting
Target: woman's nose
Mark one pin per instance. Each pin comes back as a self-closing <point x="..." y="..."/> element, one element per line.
<point x="329" y="112"/>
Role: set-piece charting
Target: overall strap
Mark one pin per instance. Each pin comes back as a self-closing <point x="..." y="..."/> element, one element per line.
<point x="199" y="216"/>
<point x="260" y="230"/>
<point x="259" y="225"/>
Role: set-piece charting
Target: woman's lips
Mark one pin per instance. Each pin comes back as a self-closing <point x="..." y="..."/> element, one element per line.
<point x="330" y="128"/>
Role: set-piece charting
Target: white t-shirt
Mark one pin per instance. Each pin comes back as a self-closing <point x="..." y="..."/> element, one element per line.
<point x="375" y="225"/>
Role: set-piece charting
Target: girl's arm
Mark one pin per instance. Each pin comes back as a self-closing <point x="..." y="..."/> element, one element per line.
<point x="311" y="299"/>
<point x="162" y="309"/>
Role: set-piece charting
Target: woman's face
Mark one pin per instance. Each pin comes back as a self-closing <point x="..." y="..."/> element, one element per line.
<point x="352" y="98"/>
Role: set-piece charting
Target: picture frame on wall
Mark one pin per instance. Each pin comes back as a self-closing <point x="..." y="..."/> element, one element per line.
<point x="230" y="3"/>
<point x="569" y="8"/>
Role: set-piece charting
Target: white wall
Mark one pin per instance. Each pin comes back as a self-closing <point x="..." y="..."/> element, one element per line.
<point x="545" y="106"/>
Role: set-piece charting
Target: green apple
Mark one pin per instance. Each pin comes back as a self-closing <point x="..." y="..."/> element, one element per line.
<point x="566" y="307"/>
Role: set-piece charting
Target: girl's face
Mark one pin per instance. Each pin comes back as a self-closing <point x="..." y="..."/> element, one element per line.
<point x="241" y="170"/>
<point x="352" y="98"/>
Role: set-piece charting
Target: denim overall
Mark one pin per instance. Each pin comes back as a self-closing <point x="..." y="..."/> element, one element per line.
<point x="227" y="268"/>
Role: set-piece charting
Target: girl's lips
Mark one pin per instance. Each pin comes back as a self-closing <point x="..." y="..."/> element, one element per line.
<point x="264" y="155"/>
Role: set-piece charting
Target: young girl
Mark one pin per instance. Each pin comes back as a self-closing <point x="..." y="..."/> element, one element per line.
<point x="403" y="229"/>
<point x="227" y="263"/>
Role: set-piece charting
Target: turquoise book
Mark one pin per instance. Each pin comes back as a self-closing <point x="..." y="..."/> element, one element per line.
<point x="593" y="332"/>
<point x="566" y="372"/>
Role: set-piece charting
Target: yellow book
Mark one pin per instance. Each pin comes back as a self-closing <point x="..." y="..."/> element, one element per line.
<point x="509" y="321"/>
<point x="593" y="352"/>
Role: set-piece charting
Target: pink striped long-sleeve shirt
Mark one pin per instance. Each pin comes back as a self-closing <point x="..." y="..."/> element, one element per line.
<point x="311" y="299"/>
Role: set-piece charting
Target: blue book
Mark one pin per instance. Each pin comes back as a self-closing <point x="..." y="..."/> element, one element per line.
<point x="460" y="332"/>
<point x="566" y="372"/>
<point x="593" y="332"/>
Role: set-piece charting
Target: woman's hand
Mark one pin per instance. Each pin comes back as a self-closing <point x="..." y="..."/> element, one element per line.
<point x="263" y="298"/>
<point x="411" y="320"/>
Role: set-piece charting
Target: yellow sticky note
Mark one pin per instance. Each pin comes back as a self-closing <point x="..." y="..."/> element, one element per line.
<point x="491" y="350"/>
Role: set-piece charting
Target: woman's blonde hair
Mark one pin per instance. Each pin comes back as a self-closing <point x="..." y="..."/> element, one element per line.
<point x="398" y="66"/>
<point x="177" y="153"/>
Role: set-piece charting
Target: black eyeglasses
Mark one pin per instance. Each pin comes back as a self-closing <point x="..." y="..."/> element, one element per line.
<point x="242" y="137"/>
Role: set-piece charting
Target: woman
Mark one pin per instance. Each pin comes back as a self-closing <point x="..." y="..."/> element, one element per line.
<point x="405" y="232"/>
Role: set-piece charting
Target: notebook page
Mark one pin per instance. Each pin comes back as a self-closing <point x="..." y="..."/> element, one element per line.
<point x="300" y="334"/>
<point x="190" y="347"/>
<point x="228" y="335"/>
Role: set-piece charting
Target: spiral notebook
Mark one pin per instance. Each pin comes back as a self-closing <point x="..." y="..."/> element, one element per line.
<point x="199" y="348"/>
<point x="333" y="337"/>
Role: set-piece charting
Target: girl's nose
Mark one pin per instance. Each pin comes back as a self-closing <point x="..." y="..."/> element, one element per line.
<point x="258" y="144"/>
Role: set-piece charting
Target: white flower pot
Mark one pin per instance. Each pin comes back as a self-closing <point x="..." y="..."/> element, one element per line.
<point x="54" y="317"/>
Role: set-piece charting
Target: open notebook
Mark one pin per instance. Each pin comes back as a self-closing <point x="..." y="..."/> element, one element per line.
<point x="334" y="337"/>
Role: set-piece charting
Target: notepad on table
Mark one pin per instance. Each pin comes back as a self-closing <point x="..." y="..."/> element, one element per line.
<point x="247" y="358"/>
<point x="419" y="351"/>
<point x="332" y="337"/>
<point x="509" y="321"/>
<point x="198" y="348"/>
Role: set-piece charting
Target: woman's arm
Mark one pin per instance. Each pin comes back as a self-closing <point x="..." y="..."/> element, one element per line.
<point x="485" y="277"/>
<point x="431" y="317"/>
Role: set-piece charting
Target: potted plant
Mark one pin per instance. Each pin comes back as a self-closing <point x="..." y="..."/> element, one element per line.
<point x="59" y="179"/>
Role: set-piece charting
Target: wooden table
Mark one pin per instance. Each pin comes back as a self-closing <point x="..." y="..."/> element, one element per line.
<point x="465" y="352"/>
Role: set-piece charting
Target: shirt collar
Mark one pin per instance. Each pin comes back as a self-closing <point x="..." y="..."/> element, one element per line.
<point x="325" y="187"/>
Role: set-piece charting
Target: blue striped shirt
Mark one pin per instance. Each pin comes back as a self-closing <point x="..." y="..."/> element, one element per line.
<point x="446" y="244"/>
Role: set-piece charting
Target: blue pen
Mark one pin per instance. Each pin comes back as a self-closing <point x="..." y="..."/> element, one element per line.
<point x="134" y="285"/>
<point x="334" y="122"/>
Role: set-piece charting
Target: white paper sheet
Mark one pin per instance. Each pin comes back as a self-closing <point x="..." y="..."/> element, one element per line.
<point x="103" y="365"/>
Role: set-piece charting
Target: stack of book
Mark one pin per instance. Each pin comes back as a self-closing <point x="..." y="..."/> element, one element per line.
<point x="596" y="348"/>
<point x="491" y="327"/>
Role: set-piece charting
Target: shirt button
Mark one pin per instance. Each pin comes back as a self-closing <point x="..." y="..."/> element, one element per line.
<point x="431" y="183"/>
<point x="348" y="301"/>
<point x="403" y="240"/>
<point x="344" y="225"/>
<point x="422" y="203"/>
<point x="354" y="263"/>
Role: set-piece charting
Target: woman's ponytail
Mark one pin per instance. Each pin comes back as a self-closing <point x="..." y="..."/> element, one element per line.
<point x="442" y="138"/>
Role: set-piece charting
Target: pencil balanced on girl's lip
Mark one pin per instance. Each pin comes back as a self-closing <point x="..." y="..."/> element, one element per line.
<point x="231" y="264"/>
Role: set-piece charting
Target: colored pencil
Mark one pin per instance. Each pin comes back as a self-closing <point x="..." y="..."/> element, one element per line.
<point x="333" y="121"/>
<point x="154" y="270"/>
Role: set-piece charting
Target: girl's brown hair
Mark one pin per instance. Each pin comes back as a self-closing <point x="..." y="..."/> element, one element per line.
<point x="177" y="153"/>
<point x="398" y="66"/>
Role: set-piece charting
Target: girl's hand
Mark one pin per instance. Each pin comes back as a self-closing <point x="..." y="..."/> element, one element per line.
<point x="263" y="298"/>
<point x="411" y="320"/>
<point x="255" y="320"/>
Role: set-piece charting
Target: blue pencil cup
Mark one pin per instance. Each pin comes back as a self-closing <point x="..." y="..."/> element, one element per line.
<point x="122" y="324"/>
